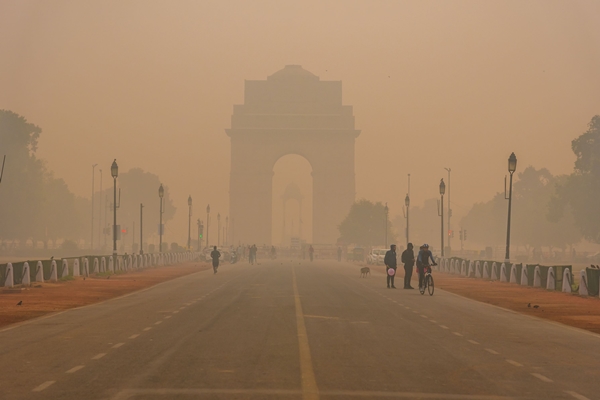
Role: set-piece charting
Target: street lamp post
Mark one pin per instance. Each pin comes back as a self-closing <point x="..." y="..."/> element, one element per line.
<point x="407" y="204"/>
<point x="161" y="194"/>
<point x="199" y="246"/>
<point x="449" y="212"/>
<point x="387" y="211"/>
<point x="100" y="224"/>
<point x="226" y="238"/>
<point x="114" y="171"/>
<point x="189" y="222"/>
<point x="207" y="223"/>
<point x="93" y="192"/>
<point x="512" y="167"/>
<point x="141" y="228"/>
<point x="441" y="213"/>
<point x="218" y="229"/>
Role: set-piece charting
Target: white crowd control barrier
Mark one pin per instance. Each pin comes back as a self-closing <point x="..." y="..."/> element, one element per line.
<point x="96" y="266"/>
<point x="513" y="273"/>
<point x="64" y="269"/>
<point x="463" y="268"/>
<point x="495" y="271"/>
<point x="486" y="273"/>
<point x="111" y="264"/>
<point x="26" y="277"/>
<point x="524" y="277"/>
<point x="53" y="271"/>
<point x="86" y="267"/>
<point x="39" y="272"/>
<point x="583" y="284"/>
<point x="537" y="277"/>
<point x="471" y="271"/>
<point x="76" y="271"/>
<point x="551" y="282"/>
<point x="503" y="277"/>
<point x="566" y="282"/>
<point x="478" y="270"/>
<point x="9" y="277"/>
<point x="103" y="264"/>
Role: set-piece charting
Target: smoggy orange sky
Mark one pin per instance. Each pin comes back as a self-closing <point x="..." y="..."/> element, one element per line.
<point x="434" y="84"/>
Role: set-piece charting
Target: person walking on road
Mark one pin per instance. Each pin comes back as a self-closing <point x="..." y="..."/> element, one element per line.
<point x="311" y="252"/>
<point x="390" y="264"/>
<point x="253" y="251"/>
<point x="339" y="251"/>
<point x="215" y="255"/>
<point x="408" y="259"/>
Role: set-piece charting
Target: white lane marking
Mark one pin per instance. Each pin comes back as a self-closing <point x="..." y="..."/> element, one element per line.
<point x="444" y="327"/>
<point x="415" y="311"/>
<point x="492" y="351"/>
<point x="181" y="308"/>
<point x="457" y="333"/>
<point x="134" y="336"/>
<point x="98" y="356"/>
<point x="424" y="316"/>
<point x="542" y="377"/>
<point x="472" y="341"/>
<point x="75" y="369"/>
<point x="167" y="317"/>
<point x="175" y="312"/>
<point x="433" y="321"/>
<point x="116" y="346"/>
<point x="43" y="386"/>
<point x="147" y="329"/>
<point x="512" y="362"/>
<point x="158" y="323"/>
<point x="576" y="395"/>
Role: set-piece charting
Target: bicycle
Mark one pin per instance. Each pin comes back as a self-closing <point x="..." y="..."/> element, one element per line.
<point x="427" y="282"/>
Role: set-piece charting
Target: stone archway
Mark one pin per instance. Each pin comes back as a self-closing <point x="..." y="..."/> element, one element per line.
<point x="292" y="112"/>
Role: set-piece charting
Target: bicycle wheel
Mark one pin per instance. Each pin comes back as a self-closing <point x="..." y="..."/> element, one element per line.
<point x="430" y="287"/>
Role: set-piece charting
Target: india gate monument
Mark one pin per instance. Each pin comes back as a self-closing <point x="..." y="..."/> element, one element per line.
<point x="291" y="112"/>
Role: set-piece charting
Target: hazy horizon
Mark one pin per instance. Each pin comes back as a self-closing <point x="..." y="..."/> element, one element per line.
<point x="433" y="84"/>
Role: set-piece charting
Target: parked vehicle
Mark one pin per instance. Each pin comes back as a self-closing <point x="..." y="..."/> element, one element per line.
<point x="376" y="256"/>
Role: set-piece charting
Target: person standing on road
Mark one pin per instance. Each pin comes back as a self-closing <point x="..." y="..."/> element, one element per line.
<point x="408" y="259"/>
<point x="215" y="255"/>
<point x="311" y="252"/>
<point x="339" y="253"/>
<point x="253" y="251"/>
<point x="390" y="263"/>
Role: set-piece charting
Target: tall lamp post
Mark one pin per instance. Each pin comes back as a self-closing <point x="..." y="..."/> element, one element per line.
<point x="141" y="228"/>
<point x="407" y="204"/>
<point x="512" y="167"/>
<point x="93" y="192"/>
<point x="449" y="212"/>
<point x="189" y="222"/>
<point x="114" y="171"/>
<point x="441" y="214"/>
<point x="218" y="229"/>
<point x="161" y="194"/>
<point x="387" y="211"/>
<point x="226" y="238"/>
<point x="207" y="223"/>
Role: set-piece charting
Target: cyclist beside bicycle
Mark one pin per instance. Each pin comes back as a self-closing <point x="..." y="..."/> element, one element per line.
<point x="423" y="264"/>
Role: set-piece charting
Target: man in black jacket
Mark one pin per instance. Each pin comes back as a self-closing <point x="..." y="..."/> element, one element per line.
<point x="390" y="263"/>
<point x="408" y="259"/>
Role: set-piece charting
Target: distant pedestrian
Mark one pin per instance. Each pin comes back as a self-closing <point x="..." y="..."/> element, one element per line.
<point x="390" y="264"/>
<point x="339" y="251"/>
<point x="253" y="251"/>
<point x="408" y="259"/>
<point x="311" y="252"/>
<point x="215" y="255"/>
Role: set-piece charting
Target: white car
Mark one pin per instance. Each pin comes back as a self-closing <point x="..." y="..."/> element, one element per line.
<point x="376" y="256"/>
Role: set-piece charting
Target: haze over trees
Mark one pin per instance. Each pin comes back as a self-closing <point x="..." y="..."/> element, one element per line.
<point x="579" y="193"/>
<point x="34" y="205"/>
<point x="365" y="225"/>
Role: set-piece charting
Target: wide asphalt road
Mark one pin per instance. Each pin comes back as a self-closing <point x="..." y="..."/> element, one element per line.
<point x="295" y="330"/>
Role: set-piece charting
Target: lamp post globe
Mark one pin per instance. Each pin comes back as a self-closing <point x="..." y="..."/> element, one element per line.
<point x="512" y="163"/>
<point x="442" y="187"/>
<point x="161" y="191"/>
<point x="114" y="169"/>
<point x="407" y="201"/>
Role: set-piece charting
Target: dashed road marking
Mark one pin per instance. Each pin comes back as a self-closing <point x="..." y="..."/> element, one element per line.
<point x="433" y="321"/>
<point x="158" y="323"/>
<point x="181" y="308"/>
<point x="147" y="329"/>
<point x="513" y="362"/>
<point x="492" y="351"/>
<point x="98" y="356"/>
<point x="43" y="386"/>
<point x="167" y="317"/>
<point x="542" y="377"/>
<point x="472" y="341"/>
<point x="576" y="395"/>
<point x="424" y="316"/>
<point x="175" y="312"/>
<point x="75" y="369"/>
<point x="134" y="336"/>
<point x="444" y="327"/>
<point x="116" y="346"/>
<point x="457" y="333"/>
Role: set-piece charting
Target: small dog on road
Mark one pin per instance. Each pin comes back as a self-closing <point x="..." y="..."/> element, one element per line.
<point x="364" y="271"/>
